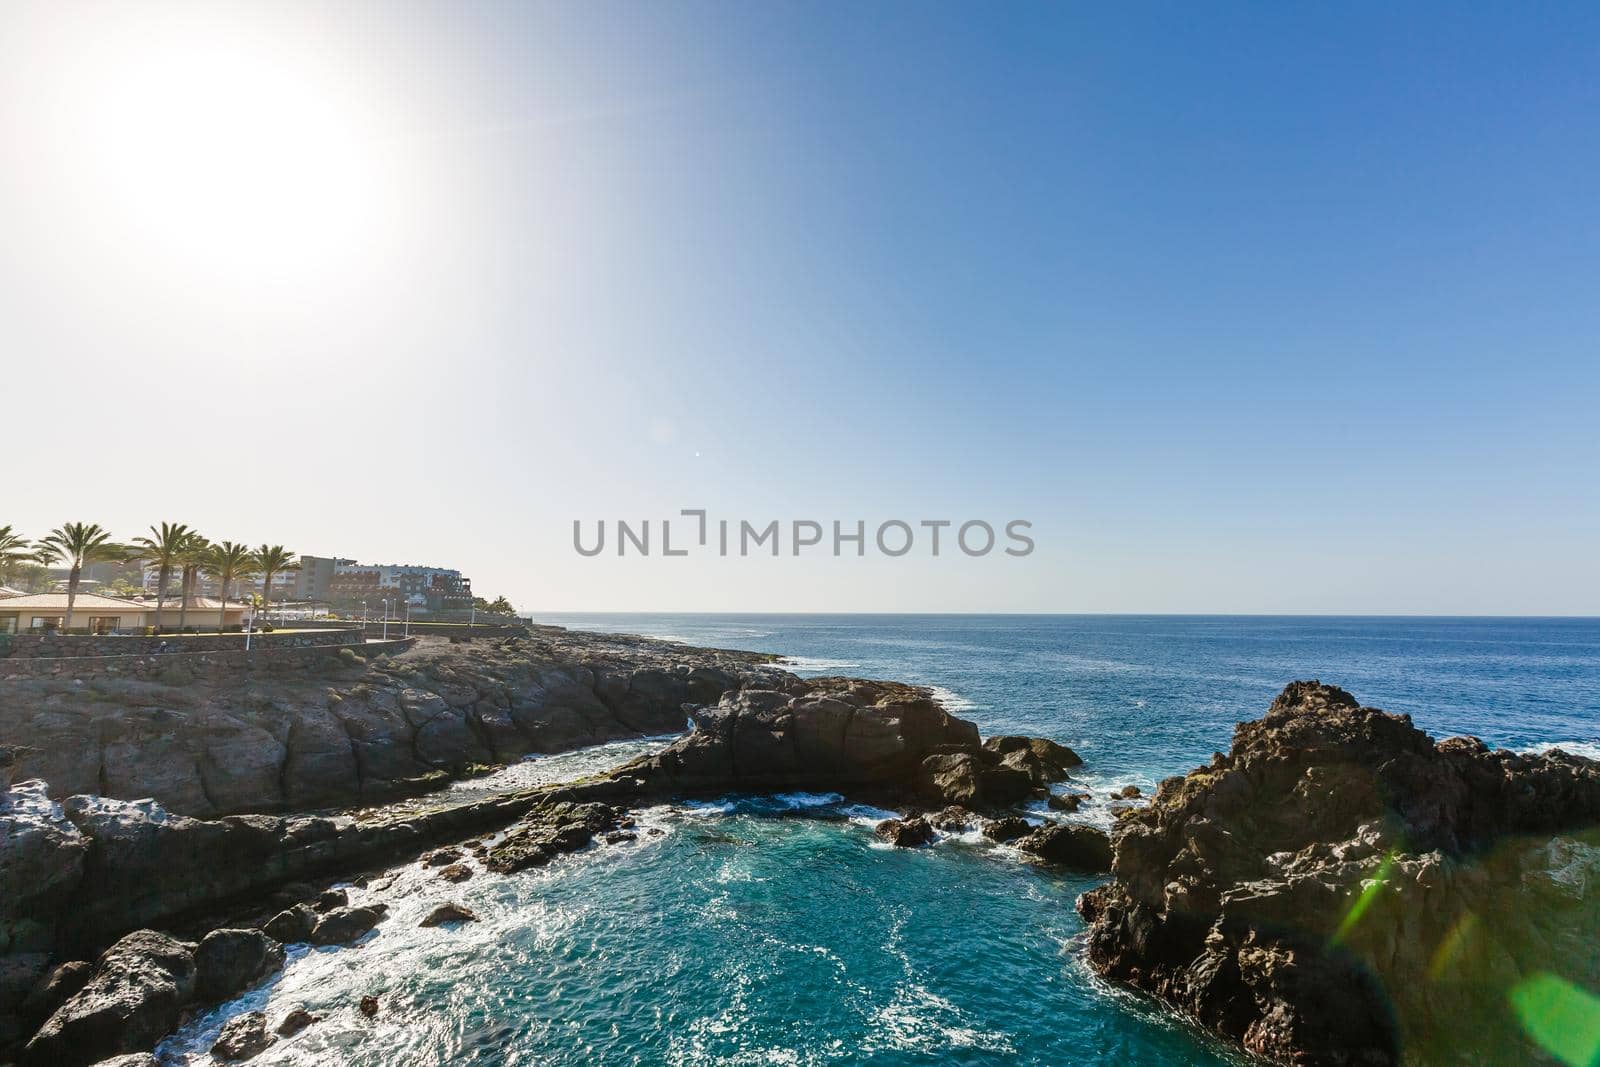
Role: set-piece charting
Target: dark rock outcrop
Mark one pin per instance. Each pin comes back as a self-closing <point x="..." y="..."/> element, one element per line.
<point x="872" y="739"/>
<point x="243" y="1037"/>
<point x="1056" y="760"/>
<point x="549" y="831"/>
<point x="905" y="833"/>
<point x="297" y="1020"/>
<point x="134" y="997"/>
<point x="449" y="912"/>
<point x="1083" y="848"/>
<point x="61" y="982"/>
<point x="1007" y="829"/>
<point x="41" y="856"/>
<point x="292" y="925"/>
<point x="343" y="925"/>
<point x="1341" y="889"/>
<point x="230" y="961"/>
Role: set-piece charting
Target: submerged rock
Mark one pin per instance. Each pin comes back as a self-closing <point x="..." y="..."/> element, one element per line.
<point x="243" y="1038"/>
<point x="343" y="925"/>
<point x="1341" y="889"/>
<point x="456" y="873"/>
<point x="297" y="1020"/>
<point x="449" y="912"/>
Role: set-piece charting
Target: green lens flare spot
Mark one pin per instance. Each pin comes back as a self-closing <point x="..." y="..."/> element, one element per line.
<point x="1370" y="889"/>
<point x="1561" y="1018"/>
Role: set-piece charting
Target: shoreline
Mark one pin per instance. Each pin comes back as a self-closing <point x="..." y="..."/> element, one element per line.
<point x="883" y="744"/>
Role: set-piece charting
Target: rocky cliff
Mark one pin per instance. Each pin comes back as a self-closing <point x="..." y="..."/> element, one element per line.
<point x="212" y="742"/>
<point x="1342" y="889"/>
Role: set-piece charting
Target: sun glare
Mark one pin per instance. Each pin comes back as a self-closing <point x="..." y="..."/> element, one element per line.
<point x="223" y="155"/>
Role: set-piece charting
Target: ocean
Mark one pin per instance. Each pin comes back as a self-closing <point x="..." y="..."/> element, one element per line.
<point x="757" y="930"/>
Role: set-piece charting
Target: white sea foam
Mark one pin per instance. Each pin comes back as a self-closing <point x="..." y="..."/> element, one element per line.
<point x="952" y="701"/>
<point x="1586" y="749"/>
<point x="706" y="808"/>
<point x="867" y="815"/>
<point x="812" y="663"/>
<point x="799" y="801"/>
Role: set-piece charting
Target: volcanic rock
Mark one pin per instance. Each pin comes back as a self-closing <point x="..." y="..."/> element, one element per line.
<point x="133" y="998"/>
<point x="1074" y="845"/>
<point x="230" y="961"/>
<point x="343" y="925"/>
<point x="1007" y="829"/>
<point x="449" y="913"/>
<point x="456" y="872"/>
<point x="1341" y="889"/>
<point x="329" y="899"/>
<point x="243" y="1038"/>
<point x="905" y="833"/>
<point x="297" y="1020"/>
<point x="548" y="831"/>
<point x="953" y="819"/>
<point x="293" y="925"/>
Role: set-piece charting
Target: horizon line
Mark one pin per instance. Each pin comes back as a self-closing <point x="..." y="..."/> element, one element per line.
<point x="1092" y="614"/>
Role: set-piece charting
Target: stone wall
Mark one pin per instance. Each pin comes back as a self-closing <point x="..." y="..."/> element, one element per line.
<point x="152" y="665"/>
<point x="421" y="629"/>
<point x="77" y="646"/>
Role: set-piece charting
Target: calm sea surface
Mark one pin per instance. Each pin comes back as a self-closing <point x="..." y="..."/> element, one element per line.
<point x="776" y="930"/>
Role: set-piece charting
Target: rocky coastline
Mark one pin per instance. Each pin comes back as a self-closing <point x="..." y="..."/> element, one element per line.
<point x="1339" y="888"/>
<point x="108" y="902"/>
<point x="208" y="741"/>
<point x="1242" y="896"/>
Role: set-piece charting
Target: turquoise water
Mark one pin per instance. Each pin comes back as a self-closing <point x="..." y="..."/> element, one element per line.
<point x="777" y="930"/>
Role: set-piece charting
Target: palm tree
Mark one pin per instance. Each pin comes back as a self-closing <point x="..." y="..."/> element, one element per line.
<point x="191" y="557"/>
<point x="14" y="550"/>
<point x="163" y="549"/>
<point x="79" y="544"/>
<point x="227" y="562"/>
<point x="272" y="560"/>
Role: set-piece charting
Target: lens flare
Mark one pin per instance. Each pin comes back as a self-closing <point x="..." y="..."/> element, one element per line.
<point x="1562" y="1018"/>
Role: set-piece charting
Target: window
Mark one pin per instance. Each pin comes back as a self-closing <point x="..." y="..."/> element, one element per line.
<point x="8" y="624"/>
<point x="104" y="624"/>
<point x="46" y="622"/>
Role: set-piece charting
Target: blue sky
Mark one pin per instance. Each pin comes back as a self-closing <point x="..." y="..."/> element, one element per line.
<point x="1246" y="307"/>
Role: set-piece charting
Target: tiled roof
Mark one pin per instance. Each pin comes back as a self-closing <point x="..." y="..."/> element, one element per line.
<point x="58" y="602"/>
